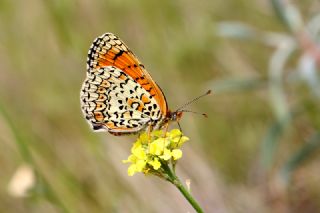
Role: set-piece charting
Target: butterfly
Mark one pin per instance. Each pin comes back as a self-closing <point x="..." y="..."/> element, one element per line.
<point x="118" y="94"/>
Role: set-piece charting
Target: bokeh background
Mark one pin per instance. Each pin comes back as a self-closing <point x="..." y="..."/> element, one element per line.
<point x="257" y="152"/>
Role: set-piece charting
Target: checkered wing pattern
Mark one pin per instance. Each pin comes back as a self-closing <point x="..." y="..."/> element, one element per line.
<point x="118" y="94"/>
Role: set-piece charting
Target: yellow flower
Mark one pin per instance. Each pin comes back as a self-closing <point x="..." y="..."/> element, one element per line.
<point x="155" y="163"/>
<point x="131" y="159"/>
<point x="157" y="146"/>
<point x="140" y="165"/>
<point x="166" y="154"/>
<point x="175" y="133"/>
<point x="143" y="139"/>
<point x="132" y="169"/>
<point x="139" y="152"/>
<point x="176" y="154"/>
<point x="150" y="152"/>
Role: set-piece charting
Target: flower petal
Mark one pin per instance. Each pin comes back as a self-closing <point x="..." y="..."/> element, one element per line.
<point x="176" y="154"/>
<point x="155" y="164"/>
<point x="132" y="169"/>
<point x="175" y="133"/>
<point x="144" y="138"/>
<point x="166" y="154"/>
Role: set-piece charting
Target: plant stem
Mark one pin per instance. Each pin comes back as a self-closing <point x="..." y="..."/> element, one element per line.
<point x="187" y="195"/>
<point x="176" y="181"/>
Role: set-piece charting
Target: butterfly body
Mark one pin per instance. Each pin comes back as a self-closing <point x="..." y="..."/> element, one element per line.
<point x="118" y="94"/>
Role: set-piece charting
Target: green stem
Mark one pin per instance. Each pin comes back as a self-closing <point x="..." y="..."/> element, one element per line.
<point x="186" y="193"/>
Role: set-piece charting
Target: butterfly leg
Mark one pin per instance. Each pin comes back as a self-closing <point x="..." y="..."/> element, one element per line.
<point x="150" y="128"/>
<point x="180" y="131"/>
<point x="166" y="126"/>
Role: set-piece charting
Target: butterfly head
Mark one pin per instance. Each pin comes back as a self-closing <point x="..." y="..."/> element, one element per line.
<point x="174" y="116"/>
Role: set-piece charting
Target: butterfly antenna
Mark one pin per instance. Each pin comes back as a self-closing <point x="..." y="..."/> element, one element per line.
<point x="193" y="100"/>
<point x="199" y="113"/>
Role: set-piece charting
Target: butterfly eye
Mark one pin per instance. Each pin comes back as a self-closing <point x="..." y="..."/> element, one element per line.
<point x="174" y="117"/>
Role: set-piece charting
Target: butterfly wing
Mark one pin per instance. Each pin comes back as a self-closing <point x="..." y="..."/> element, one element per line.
<point x="109" y="50"/>
<point x="112" y="100"/>
<point x="118" y="94"/>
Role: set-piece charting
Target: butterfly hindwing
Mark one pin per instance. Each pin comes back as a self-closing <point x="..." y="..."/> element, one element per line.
<point x="112" y="100"/>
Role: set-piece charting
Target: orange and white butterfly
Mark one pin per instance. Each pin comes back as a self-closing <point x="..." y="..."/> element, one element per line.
<point x="118" y="94"/>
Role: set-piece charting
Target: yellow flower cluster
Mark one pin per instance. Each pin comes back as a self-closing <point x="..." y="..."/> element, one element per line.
<point x="149" y="152"/>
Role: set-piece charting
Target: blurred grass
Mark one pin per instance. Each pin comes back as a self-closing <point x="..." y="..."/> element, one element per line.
<point x="188" y="47"/>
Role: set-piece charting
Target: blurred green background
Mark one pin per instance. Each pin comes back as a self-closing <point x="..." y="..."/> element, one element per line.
<point x="257" y="152"/>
